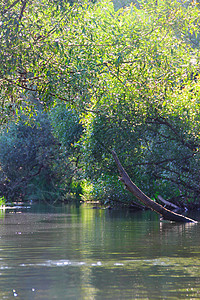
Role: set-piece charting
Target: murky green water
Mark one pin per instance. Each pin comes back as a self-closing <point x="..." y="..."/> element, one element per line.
<point x="83" y="253"/>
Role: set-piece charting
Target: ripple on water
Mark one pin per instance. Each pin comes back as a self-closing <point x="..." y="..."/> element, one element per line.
<point x="55" y="263"/>
<point x="160" y="262"/>
<point x="62" y="263"/>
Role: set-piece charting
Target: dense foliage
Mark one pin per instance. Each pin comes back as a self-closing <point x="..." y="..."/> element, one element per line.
<point x="129" y="79"/>
<point x="34" y="164"/>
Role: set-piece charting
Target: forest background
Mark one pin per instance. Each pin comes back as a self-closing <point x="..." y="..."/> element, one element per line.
<point x="78" y="79"/>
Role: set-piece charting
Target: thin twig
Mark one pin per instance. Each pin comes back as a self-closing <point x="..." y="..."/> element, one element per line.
<point x="12" y="5"/>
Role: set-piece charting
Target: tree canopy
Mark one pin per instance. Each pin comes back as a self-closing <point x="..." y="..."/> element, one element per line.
<point x="131" y="76"/>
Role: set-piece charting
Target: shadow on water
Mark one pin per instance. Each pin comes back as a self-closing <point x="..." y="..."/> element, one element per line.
<point x="80" y="253"/>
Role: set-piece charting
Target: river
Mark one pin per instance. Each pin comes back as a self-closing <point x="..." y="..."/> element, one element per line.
<point x="83" y="253"/>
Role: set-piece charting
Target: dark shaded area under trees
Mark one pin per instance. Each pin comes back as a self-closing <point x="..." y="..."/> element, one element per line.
<point x="34" y="165"/>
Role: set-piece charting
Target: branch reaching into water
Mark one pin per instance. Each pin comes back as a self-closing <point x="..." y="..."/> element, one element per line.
<point x="131" y="187"/>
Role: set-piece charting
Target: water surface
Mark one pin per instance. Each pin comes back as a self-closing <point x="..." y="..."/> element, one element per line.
<point x="83" y="253"/>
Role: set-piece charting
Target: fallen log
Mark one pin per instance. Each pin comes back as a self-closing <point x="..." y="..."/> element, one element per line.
<point x="131" y="187"/>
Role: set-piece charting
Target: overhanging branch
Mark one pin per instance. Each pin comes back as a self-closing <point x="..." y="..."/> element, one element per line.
<point x="131" y="187"/>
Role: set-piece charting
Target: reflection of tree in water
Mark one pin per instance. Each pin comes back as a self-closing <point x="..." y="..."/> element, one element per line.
<point x="165" y="262"/>
<point x="86" y="253"/>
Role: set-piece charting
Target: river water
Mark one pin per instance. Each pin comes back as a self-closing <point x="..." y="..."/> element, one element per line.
<point x="84" y="253"/>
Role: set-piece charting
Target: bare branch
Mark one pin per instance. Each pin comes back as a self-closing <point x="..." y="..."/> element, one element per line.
<point x="12" y="5"/>
<point x="131" y="187"/>
<point x="22" y="10"/>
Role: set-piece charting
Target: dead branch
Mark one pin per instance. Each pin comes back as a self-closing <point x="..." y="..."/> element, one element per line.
<point x="131" y="187"/>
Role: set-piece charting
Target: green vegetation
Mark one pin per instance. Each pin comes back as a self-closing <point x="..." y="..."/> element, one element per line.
<point x="2" y="201"/>
<point x="87" y="79"/>
<point x="34" y="164"/>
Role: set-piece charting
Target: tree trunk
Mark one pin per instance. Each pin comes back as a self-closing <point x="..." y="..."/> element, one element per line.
<point x="131" y="187"/>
